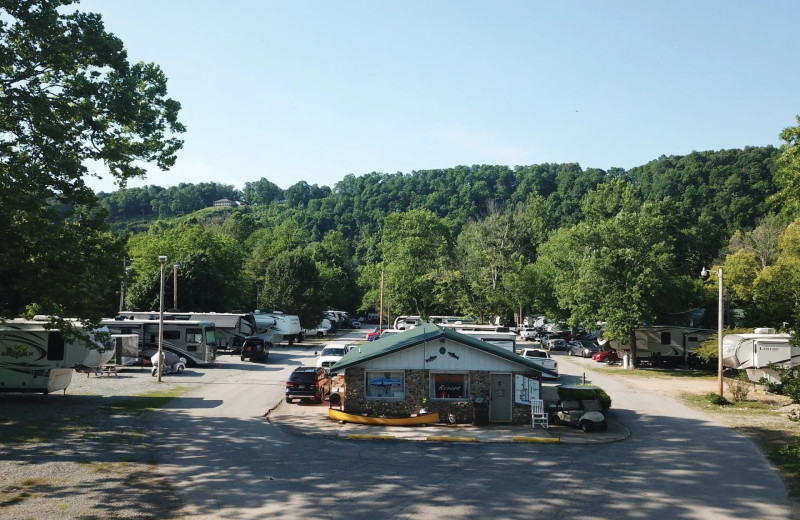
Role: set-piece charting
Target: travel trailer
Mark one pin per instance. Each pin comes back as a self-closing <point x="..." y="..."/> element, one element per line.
<point x="283" y="326"/>
<point x="664" y="345"/>
<point x="232" y="328"/>
<point x="34" y="357"/>
<point x="755" y="352"/>
<point x="194" y="340"/>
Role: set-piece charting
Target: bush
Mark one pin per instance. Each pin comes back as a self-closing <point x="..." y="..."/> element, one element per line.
<point x="717" y="399"/>
<point x="790" y="382"/>
<point x="584" y="392"/>
<point x="739" y="389"/>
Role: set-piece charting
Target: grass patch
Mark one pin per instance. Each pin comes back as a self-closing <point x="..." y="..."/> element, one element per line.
<point x="120" y="468"/>
<point x="664" y="373"/>
<point x="148" y="402"/>
<point x="20" y="491"/>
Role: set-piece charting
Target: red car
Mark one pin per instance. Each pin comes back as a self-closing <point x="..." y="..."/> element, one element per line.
<point x="607" y="356"/>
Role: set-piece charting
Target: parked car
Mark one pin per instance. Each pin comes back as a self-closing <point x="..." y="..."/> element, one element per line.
<point x="576" y="348"/>
<point x="355" y="324"/>
<point x="308" y="383"/>
<point x="330" y="355"/>
<point x="555" y="343"/>
<point x="255" y="349"/>
<point x="375" y="334"/>
<point x="607" y="356"/>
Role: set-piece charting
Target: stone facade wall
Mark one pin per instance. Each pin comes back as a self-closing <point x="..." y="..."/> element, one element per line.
<point x="417" y="388"/>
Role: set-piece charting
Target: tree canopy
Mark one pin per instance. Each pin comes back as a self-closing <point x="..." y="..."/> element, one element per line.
<point x="68" y="98"/>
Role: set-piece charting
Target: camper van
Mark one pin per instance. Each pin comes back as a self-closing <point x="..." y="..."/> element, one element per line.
<point x="759" y="352"/>
<point x="283" y="326"/>
<point x="231" y="328"/>
<point x="37" y="358"/>
<point x="194" y="340"/>
<point x="506" y="340"/>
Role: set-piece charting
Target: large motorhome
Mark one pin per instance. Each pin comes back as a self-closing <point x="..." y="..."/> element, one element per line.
<point x="283" y="326"/>
<point x="665" y="345"/>
<point x="231" y="328"/>
<point x="194" y="340"/>
<point x="758" y="353"/>
<point x="34" y="357"/>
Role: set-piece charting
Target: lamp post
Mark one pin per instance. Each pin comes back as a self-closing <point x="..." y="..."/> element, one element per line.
<point x="721" y="306"/>
<point x="175" y="286"/>
<point x="163" y="260"/>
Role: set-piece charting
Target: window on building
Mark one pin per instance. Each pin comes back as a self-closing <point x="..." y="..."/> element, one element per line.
<point x="172" y="334"/>
<point x="449" y="386"/>
<point x="384" y="385"/>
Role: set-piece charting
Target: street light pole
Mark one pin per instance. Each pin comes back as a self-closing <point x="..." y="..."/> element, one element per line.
<point x="175" y="286"/>
<point x="720" y="314"/>
<point x="163" y="260"/>
<point x="720" y="323"/>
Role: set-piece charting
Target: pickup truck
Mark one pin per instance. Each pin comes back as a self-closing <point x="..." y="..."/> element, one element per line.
<point x="529" y="334"/>
<point x="542" y="358"/>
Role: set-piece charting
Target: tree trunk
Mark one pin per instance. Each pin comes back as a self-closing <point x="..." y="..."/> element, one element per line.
<point x="634" y="360"/>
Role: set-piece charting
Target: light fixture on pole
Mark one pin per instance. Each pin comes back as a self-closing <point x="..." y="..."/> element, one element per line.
<point x="720" y="310"/>
<point x="175" y="286"/>
<point x="163" y="260"/>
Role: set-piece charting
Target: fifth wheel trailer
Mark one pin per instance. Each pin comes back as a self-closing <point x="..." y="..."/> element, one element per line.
<point x="35" y="357"/>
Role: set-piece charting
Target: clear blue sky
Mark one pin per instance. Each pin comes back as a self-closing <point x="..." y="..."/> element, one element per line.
<point x="315" y="90"/>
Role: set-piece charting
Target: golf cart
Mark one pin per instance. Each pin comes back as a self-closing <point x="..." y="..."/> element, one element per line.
<point x="581" y="406"/>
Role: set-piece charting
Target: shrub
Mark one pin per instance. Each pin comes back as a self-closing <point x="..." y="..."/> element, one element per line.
<point x="584" y="392"/>
<point x="739" y="389"/>
<point x="717" y="399"/>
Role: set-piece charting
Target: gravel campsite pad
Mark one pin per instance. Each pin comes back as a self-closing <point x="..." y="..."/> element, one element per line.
<point x="86" y="453"/>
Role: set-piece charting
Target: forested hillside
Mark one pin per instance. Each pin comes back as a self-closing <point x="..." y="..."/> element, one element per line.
<point x="481" y="240"/>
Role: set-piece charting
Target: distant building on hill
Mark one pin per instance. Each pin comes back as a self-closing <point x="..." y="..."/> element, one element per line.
<point x="225" y="203"/>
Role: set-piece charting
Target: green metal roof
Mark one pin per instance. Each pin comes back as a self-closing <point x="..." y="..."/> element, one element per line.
<point x="425" y="333"/>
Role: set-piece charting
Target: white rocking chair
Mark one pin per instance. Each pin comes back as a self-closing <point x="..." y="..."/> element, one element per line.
<point x="538" y="414"/>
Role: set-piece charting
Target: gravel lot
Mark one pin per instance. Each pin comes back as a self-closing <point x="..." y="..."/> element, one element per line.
<point x="85" y="454"/>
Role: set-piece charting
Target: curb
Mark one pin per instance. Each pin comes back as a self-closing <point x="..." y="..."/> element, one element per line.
<point x="540" y="440"/>
<point x="365" y="436"/>
<point x="441" y="438"/>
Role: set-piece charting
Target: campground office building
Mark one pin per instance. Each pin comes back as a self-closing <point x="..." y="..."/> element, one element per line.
<point x="442" y="371"/>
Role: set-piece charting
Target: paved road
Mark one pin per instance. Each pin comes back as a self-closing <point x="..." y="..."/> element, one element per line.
<point x="226" y="461"/>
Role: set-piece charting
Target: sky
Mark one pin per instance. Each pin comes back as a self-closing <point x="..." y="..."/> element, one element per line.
<point x="315" y="90"/>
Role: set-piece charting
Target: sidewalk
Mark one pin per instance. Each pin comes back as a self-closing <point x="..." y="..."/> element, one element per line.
<point x="312" y="419"/>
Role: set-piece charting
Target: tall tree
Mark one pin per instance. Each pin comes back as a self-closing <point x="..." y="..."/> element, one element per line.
<point x="417" y="250"/>
<point x="788" y="175"/>
<point x="68" y="96"/>
<point x="293" y="285"/>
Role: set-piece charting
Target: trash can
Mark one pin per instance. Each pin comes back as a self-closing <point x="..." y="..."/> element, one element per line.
<point x="480" y="411"/>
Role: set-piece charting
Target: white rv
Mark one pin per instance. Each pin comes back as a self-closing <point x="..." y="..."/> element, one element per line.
<point x="194" y="340"/>
<point x="506" y="340"/>
<point x="35" y="357"/>
<point x="662" y="344"/>
<point x="407" y="322"/>
<point x="755" y="352"/>
<point x="231" y="328"/>
<point x="283" y="326"/>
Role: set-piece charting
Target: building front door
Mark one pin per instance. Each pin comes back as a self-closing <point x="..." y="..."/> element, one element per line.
<point x="500" y="398"/>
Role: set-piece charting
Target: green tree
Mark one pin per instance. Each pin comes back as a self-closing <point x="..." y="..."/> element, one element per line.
<point x="417" y="251"/>
<point x="210" y="277"/>
<point x="293" y="285"/>
<point x="788" y="174"/>
<point x="68" y="97"/>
